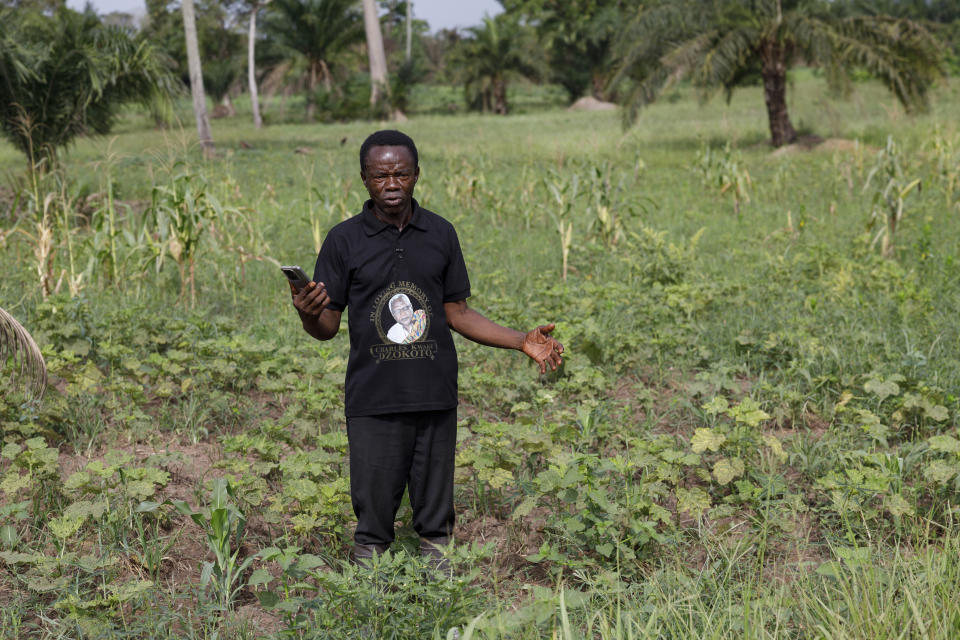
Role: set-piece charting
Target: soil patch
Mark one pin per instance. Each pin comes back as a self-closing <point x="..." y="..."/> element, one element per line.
<point x="514" y="541"/>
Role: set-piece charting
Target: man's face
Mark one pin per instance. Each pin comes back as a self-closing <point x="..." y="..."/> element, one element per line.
<point x="390" y="175"/>
<point x="402" y="312"/>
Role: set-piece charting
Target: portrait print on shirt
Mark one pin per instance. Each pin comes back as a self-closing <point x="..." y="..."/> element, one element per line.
<point x="401" y="315"/>
<point x="410" y="324"/>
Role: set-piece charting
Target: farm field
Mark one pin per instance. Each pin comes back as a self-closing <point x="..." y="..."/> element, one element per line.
<point x="754" y="433"/>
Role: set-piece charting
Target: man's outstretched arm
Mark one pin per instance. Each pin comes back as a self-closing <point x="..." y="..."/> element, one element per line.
<point x="537" y="344"/>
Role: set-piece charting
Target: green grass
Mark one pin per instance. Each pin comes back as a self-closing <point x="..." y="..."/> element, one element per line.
<point x="754" y="434"/>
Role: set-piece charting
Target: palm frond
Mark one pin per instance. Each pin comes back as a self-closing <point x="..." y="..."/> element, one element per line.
<point x="67" y="74"/>
<point x="654" y="49"/>
<point x="17" y="345"/>
<point x="903" y="54"/>
<point x="729" y="53"/>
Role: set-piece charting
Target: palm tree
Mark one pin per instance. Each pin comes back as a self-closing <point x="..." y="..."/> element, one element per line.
<point x="221" y="50"/>
<point x="494" y="53"/>
<point x="196" y="78"/>
<point x="721" y="43"/>
<point x="66" y="75"/>
<point x="315" y="30"/>
<point x="220" y="75"/>
<point x="378" y="59"/>
<point x="578" y="36"/>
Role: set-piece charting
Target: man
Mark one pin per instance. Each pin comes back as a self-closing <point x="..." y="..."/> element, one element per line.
<point x="401" y="397"/>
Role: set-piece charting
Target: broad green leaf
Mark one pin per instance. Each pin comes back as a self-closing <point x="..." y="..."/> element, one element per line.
<point x="14" y="557"/>
<point x="524" y="508"/>
<point x="854" y="556"/>
<point x="14" y="482"/>
<point x="717" y="404"/>
<point x="10" y="451"/>
<point x="176" y="355"/>
<point x="269" y="553"/>
<point x="871" y="425"/>
<point x="303" y="522"/>
<point x="727" y="469"/>
<point x="573" y="524"/>
<point x="183" y="508"/>
<point x="520" y="407"/>
<point x="937" y="412"/>
<point x="150" y="474"/>
<point x="268" y="599"/>
<point x="64" y="527"/>
<point x="148" y="507"/>
<point x="704" y="438"/>
<point x="140" y="489"/>
<point x="882" y="390"/>
<point x="897" y="505"/>
<point x="776" y="447"/>
<point x="47" y="458"/>
<point x="77" y="480"/>
<point x="85" y="509"/>
<point x="43" y="584"/>
<point x="309" y="561"/>
<point x="91" y="563"/>
<point x="947" y="444"/>
<point x="694" y="501"/>
<point x="300" y="489"/>
<point x="749" y="413"/>
<point x="129" y="590"/>
<point x="118" y="458"/>
<point x="97" y="467"/>
<point x="940" y="471"/>
<point x="500" y="478"/>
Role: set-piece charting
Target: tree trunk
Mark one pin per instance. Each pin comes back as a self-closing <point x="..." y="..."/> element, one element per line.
<point x="378" y="59"/>
<point x="312" y="92"/>
<point x="327" y="76"/>
<point x="500" y="96"/>
<point x="251" y="69"/>
<point x="598" y="84"/>
<point x="774" y="74"/>
<point x="409" y="51"/>
<point x="227" y="103"/>
<point x="196" y="79"/>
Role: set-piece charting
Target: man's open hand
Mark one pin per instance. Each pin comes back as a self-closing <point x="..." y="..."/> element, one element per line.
<point x="542" y="348"/>
<point x="311" y="300"/>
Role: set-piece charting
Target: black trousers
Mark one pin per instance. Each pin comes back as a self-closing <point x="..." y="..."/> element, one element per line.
<point x="389" y="453"/>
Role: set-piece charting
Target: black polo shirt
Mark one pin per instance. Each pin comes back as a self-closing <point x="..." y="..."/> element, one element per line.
<point x="395" y="283"/>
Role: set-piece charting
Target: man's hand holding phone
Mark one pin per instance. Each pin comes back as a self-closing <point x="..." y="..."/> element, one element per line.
<point x="312" y="299"/>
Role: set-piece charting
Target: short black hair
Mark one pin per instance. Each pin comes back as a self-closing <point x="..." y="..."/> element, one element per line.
<point x="387" y="138"/>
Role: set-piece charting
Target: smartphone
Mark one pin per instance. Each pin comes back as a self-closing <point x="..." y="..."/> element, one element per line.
<point x="296" y="275"/>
